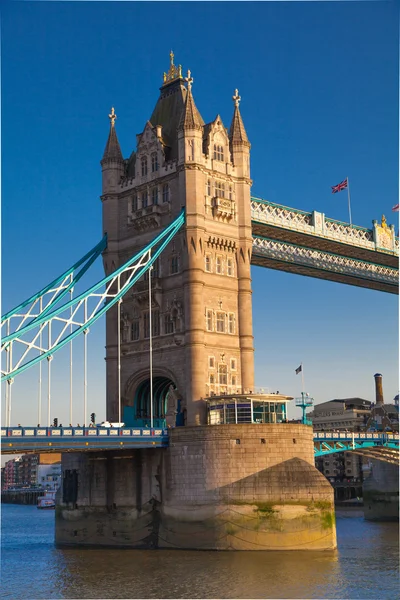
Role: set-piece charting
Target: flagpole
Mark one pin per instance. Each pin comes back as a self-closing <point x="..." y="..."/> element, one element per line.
<point x="348" y="196"/>
<point x="302" y="378"/>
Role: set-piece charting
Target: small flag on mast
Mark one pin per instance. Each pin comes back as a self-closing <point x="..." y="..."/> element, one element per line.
<point x="396" y="208"/>
<point x="339" y="187"/>
<point x="299" y="369"/>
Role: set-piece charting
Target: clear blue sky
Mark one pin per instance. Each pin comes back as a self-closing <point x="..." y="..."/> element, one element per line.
<point x="319" y="88"/>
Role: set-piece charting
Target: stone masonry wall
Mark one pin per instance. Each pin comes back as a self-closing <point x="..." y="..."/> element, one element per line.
<point x="247" y="487"/>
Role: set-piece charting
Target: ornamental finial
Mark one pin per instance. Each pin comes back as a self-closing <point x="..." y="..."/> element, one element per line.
<point x="236" y="98"/>
<point x="189" y="80"/>
<point x="174" y="72"/>
<point x="112" y="117"/>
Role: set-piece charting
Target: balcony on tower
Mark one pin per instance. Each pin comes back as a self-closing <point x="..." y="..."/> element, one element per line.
<point x="247" y="408"/>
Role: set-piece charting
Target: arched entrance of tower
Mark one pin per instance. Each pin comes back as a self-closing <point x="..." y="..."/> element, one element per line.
<point x="168" y="407"/>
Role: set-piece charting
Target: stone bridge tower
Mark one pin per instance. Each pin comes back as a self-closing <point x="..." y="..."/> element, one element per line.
<point x="201" y="309"/>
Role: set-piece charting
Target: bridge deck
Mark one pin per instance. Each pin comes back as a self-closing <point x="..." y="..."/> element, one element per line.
<point x="16" y="440"/>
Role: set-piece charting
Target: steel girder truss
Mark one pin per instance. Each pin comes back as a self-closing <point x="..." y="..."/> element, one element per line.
<point x="323" y="261"/>
<point x="386" y="450"/>
<point x="52" y="328"/>
<point x="44" y="300"/>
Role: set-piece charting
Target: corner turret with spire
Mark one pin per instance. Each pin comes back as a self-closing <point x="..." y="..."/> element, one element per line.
<point x="112" y="162"/>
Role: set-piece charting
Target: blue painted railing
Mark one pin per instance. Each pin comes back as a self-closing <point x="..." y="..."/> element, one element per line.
<point x="331" y="442"/>
<point x="58" y="439"/>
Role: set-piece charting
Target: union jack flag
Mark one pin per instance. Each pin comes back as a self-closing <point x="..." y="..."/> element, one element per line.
<point x="396" y="208"/>
<point x="339" y="187"/>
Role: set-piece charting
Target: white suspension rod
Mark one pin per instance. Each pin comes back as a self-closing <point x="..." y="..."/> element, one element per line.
<point x="40" y="372"/>
<point x="49" y="379"/>
<point x="8" y="370"/>
<point x="70" y="366"/>
<point x="85" y="368"/>
<point x="151" y="353"/>
<point x="119" y="357"/>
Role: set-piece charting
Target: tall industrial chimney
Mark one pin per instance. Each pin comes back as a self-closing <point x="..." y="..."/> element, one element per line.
<point x="378" y="388"/>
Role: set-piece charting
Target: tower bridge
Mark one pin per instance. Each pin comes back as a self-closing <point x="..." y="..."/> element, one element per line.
<point x="180" y="233"/>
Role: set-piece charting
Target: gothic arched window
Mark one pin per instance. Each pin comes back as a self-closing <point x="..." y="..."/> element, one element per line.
<point x="165" y="193"/>
<point x="144" y="165"/>
<point x="145" y="199"/>
<point x="154" y="162"/>
<point x="154" y="195"/>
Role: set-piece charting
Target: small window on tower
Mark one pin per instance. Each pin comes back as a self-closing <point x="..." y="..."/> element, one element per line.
<point x="154" y="195"/>
<point x="209" y="320"/>
<point x="145" y="199"/>
<point x="211" y="362"/>
<point x="230" y="192"/>
<point x="154" y="163"/>
<point x="219" y="189"/>
<point x="231" y="323"/>
<point x="233" y="380"/>
<point x="229" y="267"/>
<point x="218" y="152"/>
<point x="221" y="322"/>
<point x="209" y="187"/>
<point x="218" y="265"/>
<point x="168" y="324"/>
<point x="134" y="203"/>
<point x="165" y="193"/>
<point x="222" y="374"/>
<point x="144" y="165"/>
<point x="233" y="364"/>
<point x="174" y="265"/>
<point x="208" y="263"/>
<point x="135" y="330"/>
<point x="212" y="378"/>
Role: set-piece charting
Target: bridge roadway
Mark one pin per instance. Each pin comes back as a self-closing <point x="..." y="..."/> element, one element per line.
<point x="311" y="244"/>
<point x="17" y="440"/>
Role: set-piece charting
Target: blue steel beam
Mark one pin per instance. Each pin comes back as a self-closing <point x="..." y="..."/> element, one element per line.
<point x="148" y="255"/>
<point x="90" y="257"/>
<point x="330" y="443"/>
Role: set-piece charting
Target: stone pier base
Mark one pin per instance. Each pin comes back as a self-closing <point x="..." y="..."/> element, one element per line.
<point x="381" y="492"/>
<point x="224" y="487"/>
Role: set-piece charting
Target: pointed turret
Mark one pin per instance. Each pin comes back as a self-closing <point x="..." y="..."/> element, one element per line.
<point x="112" y="162"/>
<point x="237" y="132"/>
<point x="238" y="141"/>
<point x="190" y="117"/>
<point x="112" y="151"/>
<point x="190" y="129"/>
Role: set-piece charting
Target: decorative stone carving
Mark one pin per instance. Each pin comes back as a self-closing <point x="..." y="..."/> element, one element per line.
<point x="223" y="208"/>
<point x="384" y="235"/>
<point x="221" y="243"/>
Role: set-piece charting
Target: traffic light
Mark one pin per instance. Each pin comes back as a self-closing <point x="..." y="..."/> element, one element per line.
<point x="55" y="422"/>
<point x="93" y="417"/>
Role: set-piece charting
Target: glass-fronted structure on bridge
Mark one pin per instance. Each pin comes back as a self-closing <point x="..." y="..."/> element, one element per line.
<point x="247" y="408"/>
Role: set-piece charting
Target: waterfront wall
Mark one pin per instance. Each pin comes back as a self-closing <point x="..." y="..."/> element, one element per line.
<point x="242" y="487"/>
<point x="21" y="496"/>
<point x="381" y="492"/>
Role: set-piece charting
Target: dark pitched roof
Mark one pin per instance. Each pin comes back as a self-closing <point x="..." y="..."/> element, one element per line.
<point x="167" y="113"/>
<point x="190" y="117"/>
<point x="112" y="151"/>
<point x="237" y="132"/>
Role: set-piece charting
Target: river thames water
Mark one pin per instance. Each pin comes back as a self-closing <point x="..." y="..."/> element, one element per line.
<point x="364" y="566"/>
